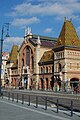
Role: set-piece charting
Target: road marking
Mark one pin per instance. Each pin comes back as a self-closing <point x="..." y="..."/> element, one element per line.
<point x="35" y="111"/>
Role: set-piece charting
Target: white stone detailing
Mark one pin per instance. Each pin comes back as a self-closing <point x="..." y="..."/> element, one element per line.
<point x="37" y="67"/>
<point x="38" y="41"/>
<point x="28" y="70"/>
<point x="28" y="31"/>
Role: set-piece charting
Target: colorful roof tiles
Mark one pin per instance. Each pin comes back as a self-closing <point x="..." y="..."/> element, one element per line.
<point x="13" y="55"/>
<point x="68" y="35"/>
<point x="47" y="57"/>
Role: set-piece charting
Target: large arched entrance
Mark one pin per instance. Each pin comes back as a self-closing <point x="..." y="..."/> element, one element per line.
<point x="52" y="82"/>
<point x="74" y="83"/>
<point x="25" y="82"/>
<point x="42" y="84"/>
<point x="59" y="81"/>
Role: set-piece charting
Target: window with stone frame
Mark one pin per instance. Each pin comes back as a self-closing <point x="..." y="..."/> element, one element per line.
<point x="50" y="71"/>
<point x="59" y="67"/>
<point x="46" y="69"/>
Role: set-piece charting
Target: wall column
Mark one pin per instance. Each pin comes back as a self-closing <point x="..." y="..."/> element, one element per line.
<point x="22" y="81"/>
<point x="37" y="60"/>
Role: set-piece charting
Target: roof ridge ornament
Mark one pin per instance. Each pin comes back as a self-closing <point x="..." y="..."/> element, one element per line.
<point x="66" y="20"/>
<point x="28" y="31"/>
<point x="38" y="41"/>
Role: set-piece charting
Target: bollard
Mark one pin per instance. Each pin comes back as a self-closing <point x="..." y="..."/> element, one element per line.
<point x="2" y="95"/>
<point x="8" y="95"/>
<point x="71" y="108"/>
<point x="57" y="105"/>
<point x="12" y="96"/>
<point x="29" y="101"/>
<point x="17" y="98"/>
<point x="36" y="101"/>
<point x="45" y="103"/>
<point x="22" y="98"/>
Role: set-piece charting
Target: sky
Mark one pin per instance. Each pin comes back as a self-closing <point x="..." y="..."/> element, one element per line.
<point x="44" y="17"/>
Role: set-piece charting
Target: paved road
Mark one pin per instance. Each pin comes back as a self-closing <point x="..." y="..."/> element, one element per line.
<point x="16" y="111"/>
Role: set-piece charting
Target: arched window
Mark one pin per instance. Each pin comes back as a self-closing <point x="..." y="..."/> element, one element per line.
<point x="59" y="68"/>
<point x="41" y="70"/>
<point x="22" y="63"/>
<point x="28" y="56"/>
<point x="32" y="63"/>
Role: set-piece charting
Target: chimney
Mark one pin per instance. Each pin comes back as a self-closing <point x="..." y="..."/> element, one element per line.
<point x="64" y="19"/>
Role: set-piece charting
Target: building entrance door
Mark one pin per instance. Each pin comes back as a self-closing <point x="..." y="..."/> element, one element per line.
<point x="25" y="82"/>
<point x="42" y="84"/>
<point x="74" y="82"/>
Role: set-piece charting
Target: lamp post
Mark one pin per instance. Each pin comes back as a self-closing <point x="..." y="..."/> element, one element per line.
<point x="43" y="78"/>
<point x="1" y="47"/>
<point x="43" y="74"/>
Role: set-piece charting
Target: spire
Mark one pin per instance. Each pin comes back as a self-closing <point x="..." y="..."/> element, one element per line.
<point x="68" y="35"/>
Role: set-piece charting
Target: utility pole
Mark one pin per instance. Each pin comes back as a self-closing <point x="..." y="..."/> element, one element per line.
<point x="1" y="47"/>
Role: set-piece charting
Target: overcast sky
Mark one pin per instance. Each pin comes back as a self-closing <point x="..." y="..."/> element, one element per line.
<point x="45" y="17"/>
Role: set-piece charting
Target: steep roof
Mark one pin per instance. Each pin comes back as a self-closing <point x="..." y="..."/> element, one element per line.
<point x="68" y="35"/>
<point x="47" y="57"/>
<point x="13" y="55"/>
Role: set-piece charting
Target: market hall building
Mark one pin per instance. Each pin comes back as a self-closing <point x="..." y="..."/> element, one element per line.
<point x="36" y="61"/>
<point x="45" y="63"/>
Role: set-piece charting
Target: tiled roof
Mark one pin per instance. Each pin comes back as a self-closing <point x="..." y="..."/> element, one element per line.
<point x="47" y="57"/>
<point x="45" y="41"/>
<point x="68" y="35"/>
<point x="13" y="55"/>
<point x="15" y="64"/>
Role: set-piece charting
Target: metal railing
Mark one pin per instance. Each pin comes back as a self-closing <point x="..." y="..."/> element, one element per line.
<point x="40" y="100"/>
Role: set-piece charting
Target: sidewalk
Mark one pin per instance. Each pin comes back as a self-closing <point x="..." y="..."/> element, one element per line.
<point x="16" y="111"/>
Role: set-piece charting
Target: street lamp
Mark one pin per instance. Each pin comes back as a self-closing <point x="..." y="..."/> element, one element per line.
<point x="43" y="73"/>
<point x="43" y="78"/>
<point x="6" y="25"/>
